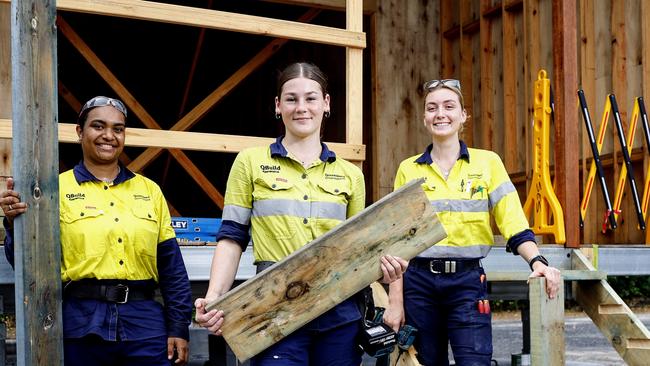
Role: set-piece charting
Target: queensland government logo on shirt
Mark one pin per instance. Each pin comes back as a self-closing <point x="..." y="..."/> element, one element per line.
<point x="141" y="197"/>
<point x="270" y="168"/>
<point x="334" y="176"/>
<point x="75" y="196"/>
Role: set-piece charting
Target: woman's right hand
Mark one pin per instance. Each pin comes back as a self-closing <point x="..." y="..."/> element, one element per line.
<point x="212" y="320"/>
<point x="10" y="202"/>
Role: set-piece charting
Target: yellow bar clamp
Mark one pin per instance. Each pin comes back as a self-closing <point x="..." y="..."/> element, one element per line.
<point x="542" y="196"/>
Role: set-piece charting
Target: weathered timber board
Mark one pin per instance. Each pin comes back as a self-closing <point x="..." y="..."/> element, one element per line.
<point x="327" y="271"/>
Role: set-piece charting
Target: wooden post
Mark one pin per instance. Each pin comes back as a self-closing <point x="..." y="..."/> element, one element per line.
<point x="39" y="338"/>
<point x="565" y="80"/>
<point x="354" y="77"/>
<point x="5" y="88"/>
<point x="546" y="324"/>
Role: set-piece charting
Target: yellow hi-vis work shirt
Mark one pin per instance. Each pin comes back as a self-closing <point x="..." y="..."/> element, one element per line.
<point x="111" y="231"/>
<point x="478" y="186"/>
<point x="284" y="204"/>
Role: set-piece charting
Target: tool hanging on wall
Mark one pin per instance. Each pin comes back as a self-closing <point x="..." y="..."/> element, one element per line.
<point x="542" y="196"/>
<point x="646" y="190"/>
<point x="620" y="186"/>
<point x="628" y="162"/>
<point x="596" y="164"/>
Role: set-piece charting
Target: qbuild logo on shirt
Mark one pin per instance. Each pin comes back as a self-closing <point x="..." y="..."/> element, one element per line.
<point x="270" y="168"/>
<point x="75" y="196"/>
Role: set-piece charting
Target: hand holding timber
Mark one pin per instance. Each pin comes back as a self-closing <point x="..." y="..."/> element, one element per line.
<point x="10" y="202"/>
<point x="552" y="276"/>
<point x="392" y="268"/>
<point x="211" y="320"/>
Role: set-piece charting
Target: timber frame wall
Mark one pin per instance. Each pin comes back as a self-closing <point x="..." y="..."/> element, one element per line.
<point x="177" y="138"/>
<point x="494" y="47"/>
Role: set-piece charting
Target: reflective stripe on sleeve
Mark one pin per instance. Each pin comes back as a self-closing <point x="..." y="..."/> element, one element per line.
<point x="501" y="191"/>
<point x="238" y="214"/>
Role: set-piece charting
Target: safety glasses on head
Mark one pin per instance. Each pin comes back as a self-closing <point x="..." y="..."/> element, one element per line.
<point x="100" y="101"/>
<point x="452" y="83"/>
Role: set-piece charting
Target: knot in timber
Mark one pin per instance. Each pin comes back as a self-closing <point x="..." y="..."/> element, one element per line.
<point x="295" y="289"/>
<point x="412" y="231"/>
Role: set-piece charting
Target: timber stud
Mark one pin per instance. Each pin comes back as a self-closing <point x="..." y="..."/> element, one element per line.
<point x="295" y="289"/>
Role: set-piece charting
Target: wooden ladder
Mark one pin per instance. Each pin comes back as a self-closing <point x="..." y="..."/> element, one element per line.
<point x="612" y="316"/>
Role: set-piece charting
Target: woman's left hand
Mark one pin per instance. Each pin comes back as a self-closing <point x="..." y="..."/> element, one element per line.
<point x="552" y="276"/>
<point x="392" y="268"/>
<point x="182" y="350"/>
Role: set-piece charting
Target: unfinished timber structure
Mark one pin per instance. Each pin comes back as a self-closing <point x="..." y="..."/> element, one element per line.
<point x="199" y="83"/>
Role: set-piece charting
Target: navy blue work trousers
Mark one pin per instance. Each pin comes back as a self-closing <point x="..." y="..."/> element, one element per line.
<point x="309" y="346"/>
<point x="444" y="309"/>
<point x="92" y="350"/>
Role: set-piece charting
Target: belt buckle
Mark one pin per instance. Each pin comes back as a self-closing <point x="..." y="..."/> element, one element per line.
<point x="431" y="267"/>
<point x="450" y="266"/>
<point x="124" y="288"/>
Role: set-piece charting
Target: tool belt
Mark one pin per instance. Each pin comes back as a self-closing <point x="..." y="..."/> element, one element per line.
<point x="445" y="266"/>
<point x="117" y="291"/>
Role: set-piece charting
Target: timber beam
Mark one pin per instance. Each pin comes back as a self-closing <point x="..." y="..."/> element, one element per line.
<point x="214" y="19"/>
<point x="198" y="141"/>
<point x="327" y="271"/>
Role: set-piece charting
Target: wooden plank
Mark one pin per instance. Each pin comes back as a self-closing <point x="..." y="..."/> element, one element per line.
<point x="197" y="141"/>
<point x="567" y="275"/>
<point x="316" y="277"/>
<point x="619" y="88"/>
<point x="449" y="22"/>
<point x="369" y="6"/>
<point x="466" y="69"/>
<point x="587" y="77"/>
<point x="532" y="66"/>
<point x="195" y="115"/>
<point x="409" y="358"/>
<point x="354" y="77"/>
<point x="510" y="91"/>
<point x="565" y="77"/>
<point x="39" y="330"/>
<point x="214" y="19"/>
<point x="546" y="324"/>
<point x="487" y="88"/>
<point x="405" y="33"/>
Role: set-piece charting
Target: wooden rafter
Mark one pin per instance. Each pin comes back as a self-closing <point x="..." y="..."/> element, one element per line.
<point x="197" y="141"/>
<point x="138" y="110"/>
<point x="369" y="6"/>
<point x="214" y="19"/>
<point x="193" y="116"/>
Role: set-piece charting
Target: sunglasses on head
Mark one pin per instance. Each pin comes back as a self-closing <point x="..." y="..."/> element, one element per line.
<point x="102" y="102"/>
<point x="453" y="83"/>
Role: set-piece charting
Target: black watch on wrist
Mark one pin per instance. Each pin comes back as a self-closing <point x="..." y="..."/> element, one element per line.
<point x="537" y="258"/>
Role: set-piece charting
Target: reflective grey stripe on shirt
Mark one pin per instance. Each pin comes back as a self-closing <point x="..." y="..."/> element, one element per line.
<point x="279" y="207"/>
<point x="500" y="192"/>
<point x="460" y="205"/>
<point x="238" y="214"/>
<point x="469" y="251"/>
